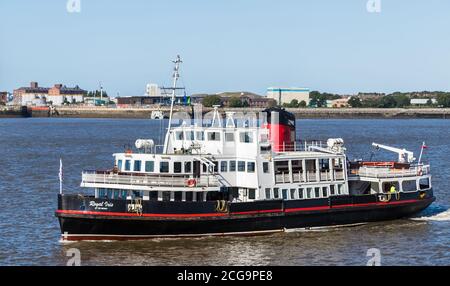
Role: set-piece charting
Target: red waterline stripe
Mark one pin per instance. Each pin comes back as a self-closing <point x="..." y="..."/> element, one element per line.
<point x="136" y="215"/>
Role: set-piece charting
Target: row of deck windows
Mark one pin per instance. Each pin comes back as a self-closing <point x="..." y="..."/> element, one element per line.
<point x="304" y="193"/>
<point x="244" y="137"/>
<point x="160" y="195"/>
<point x="149" y="166"/>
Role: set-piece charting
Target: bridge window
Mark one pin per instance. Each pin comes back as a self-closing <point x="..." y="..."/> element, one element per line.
<point x="179" y="135"/>
<point x="250" y="167"/>
<point x="164" y="167"/>
<point x="177" y="167"/>
<point x="119" y="164"/>
<point x="187" y="167"/>
<point x="224" y="166"/>
<point x="266" y="167"/>
<point x="409" y="186"/>
<point x="229" y="137"/>
<point x="127" y="165"/>
<point x="213" y="136"/>
<point x="137" y="166"/>
<point x="424" y="183"/>
<point x="232" y="166"/>
<point x="246" y="137"/>
<point x="149" y="166"/>
<point x="241" y="166"/>
<point x="200" y="135"/>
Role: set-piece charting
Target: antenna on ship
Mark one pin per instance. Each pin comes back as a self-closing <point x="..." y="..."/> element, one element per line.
<point x="176" y="76"/>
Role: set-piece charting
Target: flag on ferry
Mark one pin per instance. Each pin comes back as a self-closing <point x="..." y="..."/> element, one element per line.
<point x="61" y="174"/>
<point x="424" y="146"/>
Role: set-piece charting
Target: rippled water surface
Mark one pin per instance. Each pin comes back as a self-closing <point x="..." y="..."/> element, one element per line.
<point x="31" y="149"/>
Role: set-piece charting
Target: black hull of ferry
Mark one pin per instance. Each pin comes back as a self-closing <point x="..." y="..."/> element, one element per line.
<point x="166" y="219"/>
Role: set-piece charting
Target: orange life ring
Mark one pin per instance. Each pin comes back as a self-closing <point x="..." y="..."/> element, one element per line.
<point x="191" y="183"/>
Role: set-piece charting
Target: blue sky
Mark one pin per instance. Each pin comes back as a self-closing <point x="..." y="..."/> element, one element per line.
<point x="326" y="45"/>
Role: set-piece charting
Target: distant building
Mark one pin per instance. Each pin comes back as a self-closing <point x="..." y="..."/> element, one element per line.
<point x="60" y="94"/>
<point x="152" y="89"/>
<point x="422" y="101"/>
<point x="247" y="99"/>
<point x="338" y="103"/>
<point x="57" y="95"/>
<point x="32" y="95"/>
<point x="288" y="94"/>
<point x="126" y="101"/>
<point x="3" y="97"/>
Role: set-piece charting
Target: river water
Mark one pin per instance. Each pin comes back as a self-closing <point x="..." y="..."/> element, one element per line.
<point x="29" y="186"/>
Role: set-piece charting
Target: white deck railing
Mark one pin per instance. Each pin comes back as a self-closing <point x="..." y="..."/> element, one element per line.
<point x="106" y="178"/>
<point x="384" y="172"/>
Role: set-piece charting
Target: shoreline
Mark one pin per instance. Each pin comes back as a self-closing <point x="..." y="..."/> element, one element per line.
<point x="300" y="113"/>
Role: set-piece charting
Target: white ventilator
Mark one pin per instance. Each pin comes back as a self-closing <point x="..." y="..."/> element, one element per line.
<point x="144" y="143"/>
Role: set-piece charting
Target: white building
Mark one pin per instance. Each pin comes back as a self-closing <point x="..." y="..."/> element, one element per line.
<point x="288" y="94"/>
<point x="422" y="101"/>
<point x="152" y="89"/>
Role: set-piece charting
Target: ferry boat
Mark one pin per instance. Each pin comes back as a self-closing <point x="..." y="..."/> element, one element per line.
<point x="238" y="177"/>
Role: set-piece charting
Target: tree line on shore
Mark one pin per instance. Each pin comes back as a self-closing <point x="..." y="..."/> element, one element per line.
<point x="361" y="100"/>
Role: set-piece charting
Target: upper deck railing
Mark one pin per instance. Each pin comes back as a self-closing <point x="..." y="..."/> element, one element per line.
<point x="386" y="172"/>
<point x="296" y="146"/>
<point x="131" y="179"/>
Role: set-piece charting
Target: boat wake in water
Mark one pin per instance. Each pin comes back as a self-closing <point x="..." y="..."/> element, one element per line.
<point x="437" y="213"/>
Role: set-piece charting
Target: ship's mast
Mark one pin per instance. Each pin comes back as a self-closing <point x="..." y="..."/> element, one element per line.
<point x="176" y="76"/>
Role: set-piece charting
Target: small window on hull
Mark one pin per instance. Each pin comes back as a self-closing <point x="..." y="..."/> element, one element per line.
<point x="137" y="166"/>
<point x="267" y="193"/>
<point x="164" y="167"/>
<point x="252" y="194"/>
<point x="266" y="167"/>
<point x="232" y="166"/>
<point x="276" y="194"/>
<point x="149" y="166"/>
<point x="177" y="167"/>
<point x="187" y="167"/>
<point x="127" y="165"/>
